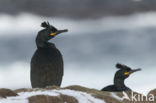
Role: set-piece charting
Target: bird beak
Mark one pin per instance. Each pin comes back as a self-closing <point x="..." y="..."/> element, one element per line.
<point x="61" y="31"/>
<point x="135" y="70"/>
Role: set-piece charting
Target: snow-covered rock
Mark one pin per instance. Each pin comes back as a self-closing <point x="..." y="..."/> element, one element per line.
<point x="70" y="94"/>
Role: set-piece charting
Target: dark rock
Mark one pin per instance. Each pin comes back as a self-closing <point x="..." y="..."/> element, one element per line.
<point x="52" y="99"/>
<point x="6" y="93"/>
<point x="68" y="99"/>
<point x="107" y="97"/>
<point x="44" y="99"/>
<point x="22" y="90"/>
<point x="154" y="93"/>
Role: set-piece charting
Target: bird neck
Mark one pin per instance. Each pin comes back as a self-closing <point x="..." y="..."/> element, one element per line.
<point x="42" y="44"/>
<point x="119" y="83"/>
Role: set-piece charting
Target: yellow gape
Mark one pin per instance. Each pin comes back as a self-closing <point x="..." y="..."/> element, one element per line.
<point x="126" y="73"/>
<point x="53" y="34"/>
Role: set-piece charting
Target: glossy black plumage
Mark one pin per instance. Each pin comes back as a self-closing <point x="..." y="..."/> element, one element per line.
<point x="119" y="78"/>
<point x="47" y="61"/>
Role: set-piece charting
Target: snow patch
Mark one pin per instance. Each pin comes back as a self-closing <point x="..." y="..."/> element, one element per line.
<point x="22" y="98"/>
<point x="116" y="97"/>
<point x="80" y="96"/>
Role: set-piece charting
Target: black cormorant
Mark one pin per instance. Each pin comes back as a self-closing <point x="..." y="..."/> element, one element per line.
<point x="47" y="61"/>
<point x="123" y="73"/>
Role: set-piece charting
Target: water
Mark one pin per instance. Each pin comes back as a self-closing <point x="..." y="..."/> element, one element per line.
<point x="90" y="49"/>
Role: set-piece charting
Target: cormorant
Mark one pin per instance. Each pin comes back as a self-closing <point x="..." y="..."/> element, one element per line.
<point x="47" y="61"/>
<point x="123" y="73"/>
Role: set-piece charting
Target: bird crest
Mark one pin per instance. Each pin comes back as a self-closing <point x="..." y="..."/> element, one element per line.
<point x="122" y="67"/>
<point x="46" y="25"/>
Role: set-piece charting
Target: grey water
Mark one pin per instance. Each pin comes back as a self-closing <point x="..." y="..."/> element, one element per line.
<point x="90" y="49"/>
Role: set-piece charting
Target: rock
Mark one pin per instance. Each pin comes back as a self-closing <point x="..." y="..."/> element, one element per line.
<point x="22" y="90"/>
<point x="153" y="92"/>
<point x="68" y="99"/>
<point x="96" y="93"/>
<point x="52" y="99"/>
<point x="6" y="93"/>
<point x="70" y="94"/>
<point x="44" y="99"/>
<point x="36" y="89"/>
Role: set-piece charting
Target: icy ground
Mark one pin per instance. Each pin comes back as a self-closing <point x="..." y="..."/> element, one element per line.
<point x="80" y="96"/>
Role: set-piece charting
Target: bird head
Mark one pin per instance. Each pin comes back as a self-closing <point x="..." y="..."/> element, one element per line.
<point x="50" y="31"/>
<point x="47" y="33"/>
<point x="124" y="71"/>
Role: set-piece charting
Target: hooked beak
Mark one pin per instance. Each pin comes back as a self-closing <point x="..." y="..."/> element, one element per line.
<point x="61" y="31"/>
<point x="58" y="32"/>
<point x="135" y="70"/>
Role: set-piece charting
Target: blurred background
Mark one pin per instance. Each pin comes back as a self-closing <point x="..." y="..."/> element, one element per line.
<point x="101" y="33"/>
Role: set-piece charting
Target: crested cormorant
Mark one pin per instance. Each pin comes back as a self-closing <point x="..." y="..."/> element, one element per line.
<point x="123" y="73"/>
<point x="47" y="61"/>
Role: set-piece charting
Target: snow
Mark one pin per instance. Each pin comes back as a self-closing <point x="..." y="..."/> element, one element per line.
<point x="29" y="94"/>
<point x="116" y="97"/>
<point x="22" y="98"/>
<point x="13" y="101"/>
<point x="80" y="96"/>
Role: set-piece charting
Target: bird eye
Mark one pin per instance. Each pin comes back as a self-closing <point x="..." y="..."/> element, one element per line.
<point x="52" y="34"/>
<point x="126" y="73"/>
